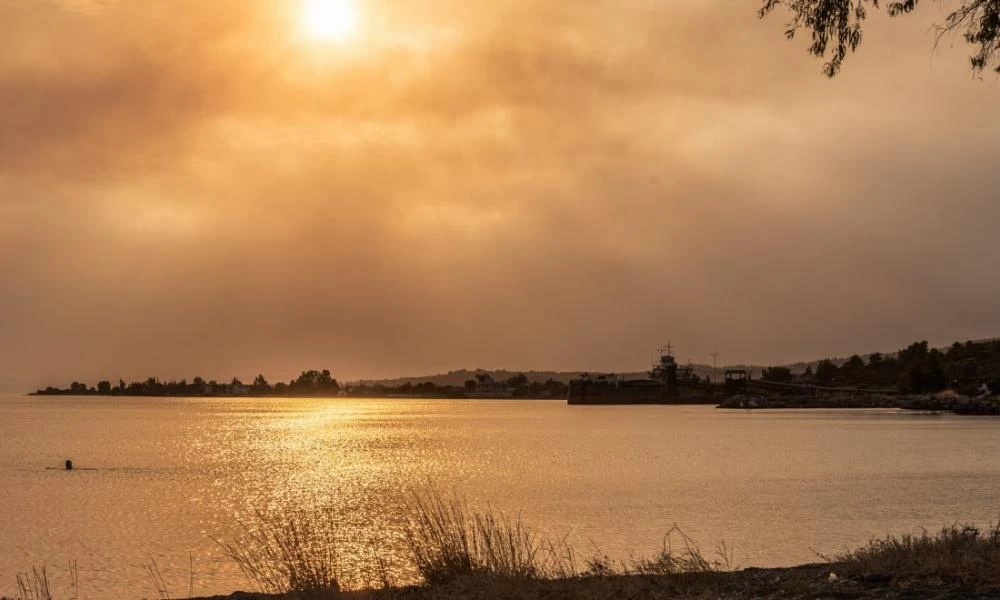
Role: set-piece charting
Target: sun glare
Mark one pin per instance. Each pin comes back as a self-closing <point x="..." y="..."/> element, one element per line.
<point x="329" y="20"/>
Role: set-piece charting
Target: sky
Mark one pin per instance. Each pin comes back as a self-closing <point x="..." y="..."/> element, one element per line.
<point x="216" y="188"/>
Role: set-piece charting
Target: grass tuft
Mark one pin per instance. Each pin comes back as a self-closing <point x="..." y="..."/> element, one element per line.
<point x="289" y="551"/>
<point x="681" y="555"/>
<point x="448" y="540"/>
<point x="34" y="585"/>
<point x="966" y="553"/>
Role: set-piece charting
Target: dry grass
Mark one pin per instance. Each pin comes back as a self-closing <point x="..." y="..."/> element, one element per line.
<point x="680" y="555"/>
<point x="289" y="550"/>
<point x="966" y="553"/>
<point x="447" y="540"/>
<point x="296" y="551"/>
<point x="35" y="585"/>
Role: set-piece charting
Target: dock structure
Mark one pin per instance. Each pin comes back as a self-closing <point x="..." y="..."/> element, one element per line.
<point x="668" y="383"/>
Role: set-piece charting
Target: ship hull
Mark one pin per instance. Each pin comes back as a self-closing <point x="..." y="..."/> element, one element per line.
<point x="591" y="393"/>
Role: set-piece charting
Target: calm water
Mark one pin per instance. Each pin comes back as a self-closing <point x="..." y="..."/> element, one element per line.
<point x="164" y="477"/>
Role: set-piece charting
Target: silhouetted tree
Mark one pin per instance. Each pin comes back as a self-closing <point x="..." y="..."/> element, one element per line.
<point x="935" y="378"/>
<point x="517" y="381"/>
<point x="778" y="374"/>
<point x="104" y="388"/>
<point x="825" y="372"/>
<point x="917" y="382"/>
<point x="835" y="26"/>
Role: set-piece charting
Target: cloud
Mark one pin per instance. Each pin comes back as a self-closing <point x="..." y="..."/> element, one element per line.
<point x="193" y="189"/>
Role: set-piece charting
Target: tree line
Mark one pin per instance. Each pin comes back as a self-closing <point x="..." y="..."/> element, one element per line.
<point x="964" y="367"/>
<point x="308" y="383"/>
<point x="316" y="383"/>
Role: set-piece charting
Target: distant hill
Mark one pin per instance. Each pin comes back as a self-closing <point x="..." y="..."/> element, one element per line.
<point x="460" y="376"/>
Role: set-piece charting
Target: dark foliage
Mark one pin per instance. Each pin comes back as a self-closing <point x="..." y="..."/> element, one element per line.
<point x="779" y="374"/>
<point x="317" y="383"/>
<point x="965" y="367"/>
<point x="835" y="26"/>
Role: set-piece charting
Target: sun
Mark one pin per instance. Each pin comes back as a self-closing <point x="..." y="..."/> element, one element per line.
<point x="329" y="20"/>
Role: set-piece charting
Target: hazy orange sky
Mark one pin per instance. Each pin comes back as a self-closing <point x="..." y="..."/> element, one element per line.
<point x="200" y="188"/>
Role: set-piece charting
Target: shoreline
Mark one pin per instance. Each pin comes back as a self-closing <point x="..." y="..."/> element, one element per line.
<point x="960" y="405"/>
<point x="817" y="580"/>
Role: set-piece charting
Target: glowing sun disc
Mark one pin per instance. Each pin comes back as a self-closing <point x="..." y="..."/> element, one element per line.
<point x="329" y="19"/>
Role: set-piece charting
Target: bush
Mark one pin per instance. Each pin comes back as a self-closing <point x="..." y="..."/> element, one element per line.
<point x="967" y="553"/>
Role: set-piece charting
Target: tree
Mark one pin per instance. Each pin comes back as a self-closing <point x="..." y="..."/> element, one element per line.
<point x="104" y="388"/>
<point x="825" y="372"/>
<point x="517" y="381"/>
<point x="777" y="374"/>
<point x="855" y="363"/>
<point x="835" y="26"/>
<point x="917" y="378"/>
<point x="935" y="378"/>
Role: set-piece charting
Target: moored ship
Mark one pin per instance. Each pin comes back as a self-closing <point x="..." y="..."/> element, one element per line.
<point x="668" y="383"/>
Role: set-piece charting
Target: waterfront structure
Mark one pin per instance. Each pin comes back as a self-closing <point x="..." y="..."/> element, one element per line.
<point x="668" y="383"/>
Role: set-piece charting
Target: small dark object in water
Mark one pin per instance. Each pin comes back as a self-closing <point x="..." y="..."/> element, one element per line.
<point x="69" y="465"/>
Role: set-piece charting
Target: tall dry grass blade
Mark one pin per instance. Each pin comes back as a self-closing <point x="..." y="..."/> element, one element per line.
<point x="34" y="585"/>
<point x="159" y="584"/>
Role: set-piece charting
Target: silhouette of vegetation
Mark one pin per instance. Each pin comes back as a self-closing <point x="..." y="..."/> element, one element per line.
<point x="835" y="26"/>
<point x="447" y="541"/>
<point x="289" y="550"/>
<point x="967" y="553"/>
<point x="779" y="374"/>
<point x="309" y="383"/>
<point x="969" y="368"/>
<point x="320" y="383"/>
<point x="459" y="552"/>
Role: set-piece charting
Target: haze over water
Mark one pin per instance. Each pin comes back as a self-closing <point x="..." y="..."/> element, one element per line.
<point x="160" y="478"/>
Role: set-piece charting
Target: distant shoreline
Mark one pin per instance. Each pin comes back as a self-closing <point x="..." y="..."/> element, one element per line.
<point x="321" y="383"/>
<point x="354" y="396"/>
